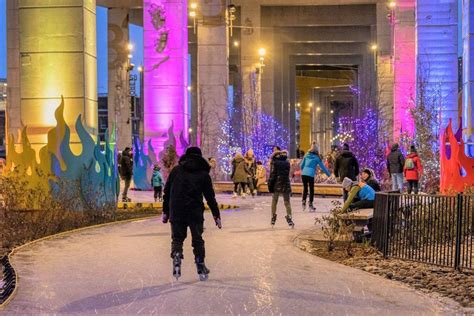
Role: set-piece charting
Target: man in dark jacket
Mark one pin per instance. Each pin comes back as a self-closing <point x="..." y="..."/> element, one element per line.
<point x="395" y="163"/>
<point x="183" y="206"/>
<point x="126" y="171"/>
<point x="346" y="166"/>
<point x="279" y="184"/>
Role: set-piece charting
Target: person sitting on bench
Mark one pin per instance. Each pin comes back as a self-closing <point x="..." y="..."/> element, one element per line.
<point x="360" y="192"/>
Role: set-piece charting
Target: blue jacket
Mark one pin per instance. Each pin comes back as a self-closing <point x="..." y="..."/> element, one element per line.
<point x="309" y="164"/>
<point x="366" y="193"/>
<point x="157" y="179"/>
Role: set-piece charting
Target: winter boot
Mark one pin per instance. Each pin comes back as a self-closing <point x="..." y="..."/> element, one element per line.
<point x="304" y="205"/>
<point x="312" y="209"/>
<point x="290" y="221"/>
<point x="274" y="218"/>
<point x="177" y="257"/>
<point x="202" y="270"/>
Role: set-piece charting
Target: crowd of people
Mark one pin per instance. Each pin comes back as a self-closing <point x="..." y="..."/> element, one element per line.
<point x="190" y="181"/>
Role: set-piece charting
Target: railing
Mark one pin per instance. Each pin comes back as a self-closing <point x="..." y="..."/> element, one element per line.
<point x="433" y="229"/>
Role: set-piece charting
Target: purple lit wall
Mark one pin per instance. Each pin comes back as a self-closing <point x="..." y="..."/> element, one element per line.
<point x="166" y="70"/>
<point x="405" y="67"/>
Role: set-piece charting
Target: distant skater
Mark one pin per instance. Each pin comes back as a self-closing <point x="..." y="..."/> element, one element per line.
<point x="157" y="183"/>
<point x="183" y="206"/>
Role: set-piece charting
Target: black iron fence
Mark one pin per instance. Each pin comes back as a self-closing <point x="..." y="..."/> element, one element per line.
<point x="432" y="229"/>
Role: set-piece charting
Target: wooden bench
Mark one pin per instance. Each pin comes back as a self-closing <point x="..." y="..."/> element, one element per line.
<point x="360" y="218"/>
<point x="296" y="188"/>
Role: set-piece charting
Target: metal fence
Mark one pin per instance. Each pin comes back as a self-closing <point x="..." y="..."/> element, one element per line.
<point x="432" y="229"/>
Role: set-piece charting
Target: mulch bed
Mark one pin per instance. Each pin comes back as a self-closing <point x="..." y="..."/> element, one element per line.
<point x="458" y="286"/>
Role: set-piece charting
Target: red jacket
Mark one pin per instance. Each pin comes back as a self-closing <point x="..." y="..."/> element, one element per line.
<point x="415" y="173"/>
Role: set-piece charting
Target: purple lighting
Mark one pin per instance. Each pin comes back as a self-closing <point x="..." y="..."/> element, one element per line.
<point x="165" y="70"/>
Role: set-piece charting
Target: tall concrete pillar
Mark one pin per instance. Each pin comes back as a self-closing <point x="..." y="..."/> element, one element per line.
<point x="250" y="44"/>
<point x="437" y="56"/>
<point x="119" y="90"/>
<point x="305" y="101"/>
<point x="213" y="74"/>
<point x="404" y="67"/>
<point x="52" y="50"/>
<point x="165" y="37"/>
<point x="468" y="68"/>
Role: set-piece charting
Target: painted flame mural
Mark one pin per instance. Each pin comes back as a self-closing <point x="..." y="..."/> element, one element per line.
<point x="93" y="170"/>
<point x="457" y="169"/>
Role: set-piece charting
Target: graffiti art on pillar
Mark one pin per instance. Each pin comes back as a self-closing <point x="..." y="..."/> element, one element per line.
<point x="457" y="169"/>
<point x="92" y="173"/>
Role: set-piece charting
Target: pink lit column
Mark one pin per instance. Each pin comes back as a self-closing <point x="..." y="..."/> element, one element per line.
<point x="166" y="68"/>
<point x="404" y="67"/>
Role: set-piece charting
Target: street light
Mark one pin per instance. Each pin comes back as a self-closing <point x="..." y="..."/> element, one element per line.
<point x="193" y="5"/>
<point x="130" y="46"/>
<point x="374" y="47"/>
<point x="140" y="69"/>
<point x="262" y="52"/>
<point x="310" y="104"/>
<point x="236" y="43"/>
<point x="318" y="109"/>
<point x="392" y="4"/>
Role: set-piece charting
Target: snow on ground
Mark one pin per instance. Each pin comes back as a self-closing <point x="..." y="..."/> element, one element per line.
<point x="126" y="269"/>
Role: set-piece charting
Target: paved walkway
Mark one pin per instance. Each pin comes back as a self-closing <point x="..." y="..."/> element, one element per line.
<point x="126" y="269"/>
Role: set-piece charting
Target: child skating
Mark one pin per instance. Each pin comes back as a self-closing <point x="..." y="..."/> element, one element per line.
<point x="157" y="183"/>
<point x="183" y="206"/>
<point x="279" y="184"/>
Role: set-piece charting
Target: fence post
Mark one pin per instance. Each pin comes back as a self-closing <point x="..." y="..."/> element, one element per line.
<point x="457" y="253"/>
<point x="387" y="223"/>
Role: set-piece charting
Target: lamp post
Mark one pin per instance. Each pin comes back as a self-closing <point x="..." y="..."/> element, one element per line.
<point x="142" y="96"/>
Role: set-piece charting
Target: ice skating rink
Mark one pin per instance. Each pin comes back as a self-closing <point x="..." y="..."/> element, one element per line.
<point x="126" y="269"/>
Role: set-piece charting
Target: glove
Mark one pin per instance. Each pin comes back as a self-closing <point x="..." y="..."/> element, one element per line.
<point x="164" y="218"/>
<point x="218" y="222"/>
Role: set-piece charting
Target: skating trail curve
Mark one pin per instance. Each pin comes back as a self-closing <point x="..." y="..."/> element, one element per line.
<point x="126" y="269"/>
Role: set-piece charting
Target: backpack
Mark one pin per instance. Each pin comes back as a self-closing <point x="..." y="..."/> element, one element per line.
<point x="409" y="164"/>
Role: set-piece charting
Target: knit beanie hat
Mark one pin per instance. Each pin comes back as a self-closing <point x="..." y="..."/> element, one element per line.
<point x="194" y="151"/>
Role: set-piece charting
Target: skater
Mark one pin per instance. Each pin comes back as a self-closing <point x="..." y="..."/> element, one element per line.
<point x="395" y="163"/>
<point x="309" y="167"/>
<point x="346" y="166"/>
<point x="368" y="176"/>
<point x="251" y="164"/>
<point x="240" y="175"/>
<point x="361" y="195"/>
<point x="279" y="184"/>
<point x="413" y="170"/>
<point x="261" y="175"/>
<point x="183" y="206"/>
<point x="126" y="172"/>
<point x="157" y="183"/>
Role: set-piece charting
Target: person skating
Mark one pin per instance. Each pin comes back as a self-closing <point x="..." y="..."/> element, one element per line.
<point x="279" y="184"/>
<point x="346" y="166"/>
<point x="413" y="170"/>
<point x="368" y="176"/>
<point x="309" y="165"/>
<point x="157" y="183"/>
<point x="361" y="195"/>
<point x="239" y="175"/>
<point x="126" y="172"/>
<point x="251" y="163"/>
<point x="183" y="206"/>
<point x="395" y="163"/>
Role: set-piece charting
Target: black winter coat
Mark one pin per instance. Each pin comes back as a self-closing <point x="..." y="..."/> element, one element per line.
<point x="395" y="161"/>
<point x="187" y="184"/>
<point x="346" y="166"/>
<point x="126" y="166"/>
<point x="374" y="184"/>
<point x="279" y="180"/>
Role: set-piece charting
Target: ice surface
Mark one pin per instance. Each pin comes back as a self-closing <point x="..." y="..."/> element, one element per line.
<point x="126" y="269"/>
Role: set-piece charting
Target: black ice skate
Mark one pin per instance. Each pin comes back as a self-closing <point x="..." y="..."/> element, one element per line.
<point x="304" y="205"/>
<point x="312" y="209"/>
<point x="177" y="265"/>
<point x="290" y="221"/>
<point x="202" y="270"/>
<point x="274" y="218"/>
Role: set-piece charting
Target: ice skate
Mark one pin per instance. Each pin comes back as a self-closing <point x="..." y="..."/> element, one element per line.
<point x="177" y="265"/>
<point x="274" y="218"/>
<point x="202" y="270"/>
<point x="243" y="196"/>
<point x="290" y="221"/>
<point x="303" y="204"/>
<point x="312" y="209"/>
<point x="234" y="196"/>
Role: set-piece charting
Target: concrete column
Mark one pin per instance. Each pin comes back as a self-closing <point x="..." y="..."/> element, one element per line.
<point x="118" y="101"/>
<point x="437" y="56"/>
<point x="250" y="44"/>
<point x="213" y="74"/>
<point x="165" y="37"/>
<point x="304" y="88"/>
<point x="52" y="50"/>
<point x="404" y="67"/>
<point x="468" y="69"/>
